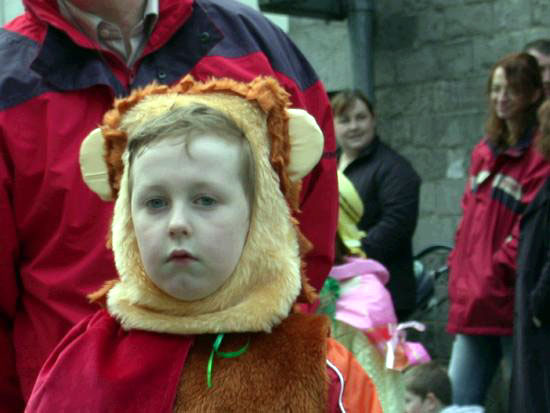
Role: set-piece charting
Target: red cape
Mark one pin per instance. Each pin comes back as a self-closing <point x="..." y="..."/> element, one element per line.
<point x="99" y="367"/>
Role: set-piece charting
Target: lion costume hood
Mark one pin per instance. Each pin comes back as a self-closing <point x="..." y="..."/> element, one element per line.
<point x="268" y="279"/>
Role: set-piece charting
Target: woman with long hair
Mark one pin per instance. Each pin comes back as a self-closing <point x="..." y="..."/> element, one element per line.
<point x="505" y="174"/>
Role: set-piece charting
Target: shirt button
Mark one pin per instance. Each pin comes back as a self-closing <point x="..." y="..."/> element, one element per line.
<point x="204" y="37"/>
<point x="161" y="74"/>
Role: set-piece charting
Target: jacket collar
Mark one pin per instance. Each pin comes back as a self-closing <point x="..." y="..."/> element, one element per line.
<point x="521" y="145"/>
<point x="365" y="153"/>
<point x="68" y="60"/>
<point x="370" y="148"/>
<point x="172" y="14"/>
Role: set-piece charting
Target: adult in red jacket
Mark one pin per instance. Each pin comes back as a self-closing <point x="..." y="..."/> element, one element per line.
<point x="505" y="174"/>
<point x="63" y="63"/>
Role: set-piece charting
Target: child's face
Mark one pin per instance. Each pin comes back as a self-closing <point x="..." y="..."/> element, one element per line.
<point x="190" y="213"/>
<point x="414" y="403"/>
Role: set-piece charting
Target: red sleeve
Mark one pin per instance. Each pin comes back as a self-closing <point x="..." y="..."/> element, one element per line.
<point x="10" y="395"/>
<point x="319" y="199"/>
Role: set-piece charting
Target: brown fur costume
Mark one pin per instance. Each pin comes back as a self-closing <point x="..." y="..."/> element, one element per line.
<point x="283" y="371"/>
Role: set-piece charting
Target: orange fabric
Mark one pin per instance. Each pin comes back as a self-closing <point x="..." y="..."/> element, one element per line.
<point x="359" y="390"/>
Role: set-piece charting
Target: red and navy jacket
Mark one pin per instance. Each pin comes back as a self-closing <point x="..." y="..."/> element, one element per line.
<point x="55" y="86"/>
<point x="483" y="261"/>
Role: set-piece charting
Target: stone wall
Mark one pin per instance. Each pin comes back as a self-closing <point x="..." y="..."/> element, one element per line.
<point x="432" y="59"/>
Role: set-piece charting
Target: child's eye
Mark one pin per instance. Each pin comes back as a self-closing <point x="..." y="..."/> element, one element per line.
<point x="205" y="201"/>
<point x="156" y="203"/>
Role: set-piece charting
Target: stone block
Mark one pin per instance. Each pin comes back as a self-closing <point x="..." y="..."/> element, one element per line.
<point x="467" y="20"/>
<point x="459" y="130"/>
<point x="434" y="229"/>
<point x="332" y="44"/>
<point x="445" y="4"/>
<point x="414" y="6"/>
<point x="395" y="100"/>
<point x="448" y="196"/>
<point x="511" y="15"/>
<point x="428" y="195"/>
<point x="463" y="95"/>
<point x="388" y="7"/>
<point x="431" y="27"/>
<point x="396" y="31"/>
<point x="385" y="107"/>
<point x="430" y="163"/>
<point x="396" y="132"/>
<point x="489" y="49"/>
<point x="417" y="65"/>
<point x="421" y="130"/>
<point x="424" y="98"/>
<point x="384" y="69"/>
<point x="404" y="100"/>
<point x="541" y="13"/>
<point x="456" y="60"/>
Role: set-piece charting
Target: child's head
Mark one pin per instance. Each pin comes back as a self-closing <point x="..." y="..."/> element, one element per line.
<point x="427" y="388"/>
<point x="205" y="177"/>
<point x="190" y="184"/>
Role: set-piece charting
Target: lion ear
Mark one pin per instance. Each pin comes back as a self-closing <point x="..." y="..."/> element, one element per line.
<point x="92" y="165"/>
<point x="306" y="141"/>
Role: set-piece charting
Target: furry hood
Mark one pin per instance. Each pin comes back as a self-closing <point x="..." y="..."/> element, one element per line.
<point x="268" y="278"/>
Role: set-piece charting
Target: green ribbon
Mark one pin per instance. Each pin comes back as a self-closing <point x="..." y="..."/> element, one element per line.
<point x="328" y="296"/>
<point x="226" y="355"/>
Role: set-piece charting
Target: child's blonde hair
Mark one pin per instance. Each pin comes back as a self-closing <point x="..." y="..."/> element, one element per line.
<point x="185" y="124"/>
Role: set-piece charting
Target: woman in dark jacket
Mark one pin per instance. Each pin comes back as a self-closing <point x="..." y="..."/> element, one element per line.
<point x="531" y="365"/>
<point x="389" y="188"/>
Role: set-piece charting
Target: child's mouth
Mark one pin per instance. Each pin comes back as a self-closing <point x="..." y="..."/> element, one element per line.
<point x="180" y="256"/>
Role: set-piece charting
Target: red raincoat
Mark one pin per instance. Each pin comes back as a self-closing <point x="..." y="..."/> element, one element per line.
<point x="483" y="261"/>
<point x="99" y="367"/>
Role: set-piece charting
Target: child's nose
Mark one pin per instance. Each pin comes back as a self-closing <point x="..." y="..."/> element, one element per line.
<point x="179" y="224"/>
